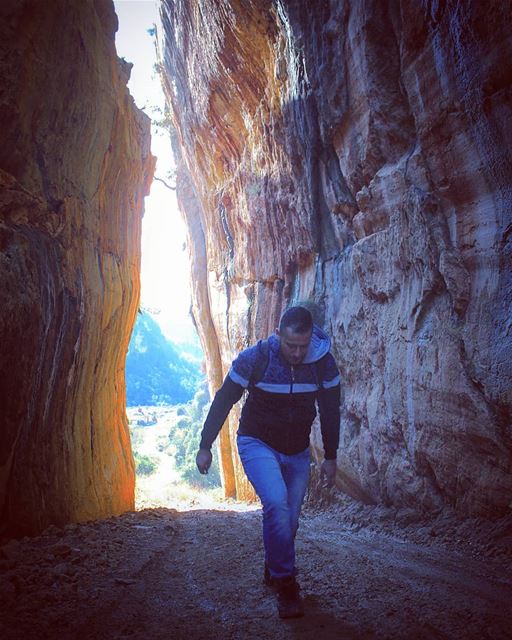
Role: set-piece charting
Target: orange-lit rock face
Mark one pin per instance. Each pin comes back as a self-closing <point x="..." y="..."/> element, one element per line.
<point x="357" y="154"/>
<point x="74" y="167"/>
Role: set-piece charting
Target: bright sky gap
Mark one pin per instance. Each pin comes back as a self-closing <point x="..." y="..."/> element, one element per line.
<point x="165" y="287"/>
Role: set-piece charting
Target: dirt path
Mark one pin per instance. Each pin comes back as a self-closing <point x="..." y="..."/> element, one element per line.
<point x="160" y="573"/>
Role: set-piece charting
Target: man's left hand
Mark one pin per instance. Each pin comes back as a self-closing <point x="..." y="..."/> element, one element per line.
<point x="328" y="473"/>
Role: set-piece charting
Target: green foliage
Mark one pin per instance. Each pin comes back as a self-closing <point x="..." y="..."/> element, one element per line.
<point x="137" y="439"/>
<point x="184" y="438"/>
<point x="182" y="425"/>
<point x="155" y="372"/>
<point x="161" y="119"/>
<point x="197" y="408"/>
<point x="144" y="465"/>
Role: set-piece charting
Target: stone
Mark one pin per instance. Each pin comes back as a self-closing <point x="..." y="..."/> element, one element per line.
<point x="61" y="550"/>
<point x="60" y="570"/>
<point x="75" y="166"/>
<point x="11" y="550"/>
<point x="7" y="565"/>
<point x="7" y="591"/>
<point x="358" y="157"/>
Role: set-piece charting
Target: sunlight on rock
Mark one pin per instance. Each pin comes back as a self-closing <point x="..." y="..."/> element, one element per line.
<point x="357" y="155"/>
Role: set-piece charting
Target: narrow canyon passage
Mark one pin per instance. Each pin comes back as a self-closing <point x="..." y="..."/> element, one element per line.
<point x="159" y="573"/>
<point x="354" y="157"/>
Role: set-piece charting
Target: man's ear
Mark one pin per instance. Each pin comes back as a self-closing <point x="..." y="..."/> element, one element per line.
<point x="277" y="331"/>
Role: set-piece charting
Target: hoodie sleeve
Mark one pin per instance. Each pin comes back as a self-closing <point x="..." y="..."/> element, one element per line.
<point x="229" y="394"/>
<point x="329" y="407"/>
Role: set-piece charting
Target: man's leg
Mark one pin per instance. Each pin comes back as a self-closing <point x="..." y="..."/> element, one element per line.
<point x="263" y="468"/>
<point x="295" y="470"/>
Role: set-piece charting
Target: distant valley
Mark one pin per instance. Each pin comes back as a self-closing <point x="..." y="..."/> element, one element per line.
<point x="159" y="371"/>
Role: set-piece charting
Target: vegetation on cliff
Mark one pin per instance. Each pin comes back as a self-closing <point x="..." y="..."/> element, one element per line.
<point x="158" y="371"/>
<point x="164" y="443"/>
<point x="168" y="397"/>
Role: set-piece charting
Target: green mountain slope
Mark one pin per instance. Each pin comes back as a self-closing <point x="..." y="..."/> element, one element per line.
<point x="156" y="372"/>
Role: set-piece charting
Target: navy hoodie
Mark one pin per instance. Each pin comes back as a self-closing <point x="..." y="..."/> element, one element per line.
<point x="281" y="406"/>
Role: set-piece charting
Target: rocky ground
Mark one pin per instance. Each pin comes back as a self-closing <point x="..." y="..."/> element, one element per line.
<point x="188" y="565"/>
<point x="366" y="572"/>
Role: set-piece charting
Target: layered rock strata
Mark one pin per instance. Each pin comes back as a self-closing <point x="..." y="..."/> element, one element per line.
<point x="357" y="155"/>
<point x="74" y="168"/>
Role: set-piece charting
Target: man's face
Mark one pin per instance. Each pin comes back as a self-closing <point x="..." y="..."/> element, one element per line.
<point x="294" y="346"/>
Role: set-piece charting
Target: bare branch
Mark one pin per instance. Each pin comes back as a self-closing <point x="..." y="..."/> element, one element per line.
<point x="165" y="183"/>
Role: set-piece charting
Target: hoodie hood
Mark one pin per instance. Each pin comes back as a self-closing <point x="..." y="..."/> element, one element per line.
<point x="318" y="347"/>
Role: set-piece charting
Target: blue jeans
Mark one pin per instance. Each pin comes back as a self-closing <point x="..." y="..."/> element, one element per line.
<point x="280" y="482"/>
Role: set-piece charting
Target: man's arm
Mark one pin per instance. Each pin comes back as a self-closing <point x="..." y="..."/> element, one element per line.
<point x="329" y="406"/>
<point x="225" y="398"/>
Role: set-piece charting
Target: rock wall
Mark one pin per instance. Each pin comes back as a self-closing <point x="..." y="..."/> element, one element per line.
<point x="74" y="168"/>
<point x="357" y="154"/>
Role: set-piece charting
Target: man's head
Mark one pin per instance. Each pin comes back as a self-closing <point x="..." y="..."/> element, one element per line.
<point x="294" y="333"/>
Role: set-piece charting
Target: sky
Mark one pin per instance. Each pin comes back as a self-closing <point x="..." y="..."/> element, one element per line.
<point x="165" y="283"/>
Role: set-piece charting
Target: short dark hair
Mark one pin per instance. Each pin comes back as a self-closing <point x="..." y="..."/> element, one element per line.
<point x="298" y="319"/>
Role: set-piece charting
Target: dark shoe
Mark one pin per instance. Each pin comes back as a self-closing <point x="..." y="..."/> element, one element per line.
<point x="268" y="579"/>
<point x="289" y="602"/>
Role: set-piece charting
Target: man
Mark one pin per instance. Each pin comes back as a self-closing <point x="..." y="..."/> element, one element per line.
<point x="293" y="369"/>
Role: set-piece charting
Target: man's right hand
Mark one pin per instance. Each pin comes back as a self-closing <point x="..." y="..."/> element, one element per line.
<point x="203" y="460"/>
